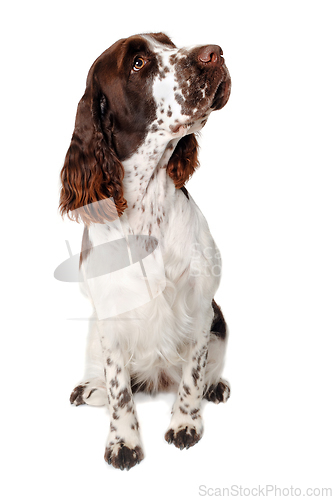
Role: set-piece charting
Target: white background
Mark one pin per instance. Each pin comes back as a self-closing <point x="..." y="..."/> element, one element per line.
<point x="265" y="187"/>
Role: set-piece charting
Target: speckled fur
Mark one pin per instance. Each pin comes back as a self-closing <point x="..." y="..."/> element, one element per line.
<point x="166" y="343"/>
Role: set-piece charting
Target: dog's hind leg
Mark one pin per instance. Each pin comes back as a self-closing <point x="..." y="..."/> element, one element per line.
<point x="216" y="389"/>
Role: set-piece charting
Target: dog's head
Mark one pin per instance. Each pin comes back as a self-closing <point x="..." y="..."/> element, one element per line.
<point x="140" y="85"/>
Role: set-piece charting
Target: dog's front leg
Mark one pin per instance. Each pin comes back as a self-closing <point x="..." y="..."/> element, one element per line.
<point x="186" y="425"/>
<point x="123" y="448"/>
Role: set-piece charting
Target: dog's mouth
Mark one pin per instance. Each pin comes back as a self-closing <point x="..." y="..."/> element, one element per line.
<point x="222" y="93"/>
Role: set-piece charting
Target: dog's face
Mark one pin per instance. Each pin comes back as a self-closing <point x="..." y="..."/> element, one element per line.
<point x="144" y="83"/>
<point x="142" y="91"/>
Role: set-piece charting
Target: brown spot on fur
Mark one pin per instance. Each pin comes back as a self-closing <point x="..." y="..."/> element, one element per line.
<point x="164" y="381"/>
<point x="187" y="390"/>
<point x="195" y="376"/>
<point x="114" y="383"/>
<point x="124" y="397"/>
<point x="91" y="392"/>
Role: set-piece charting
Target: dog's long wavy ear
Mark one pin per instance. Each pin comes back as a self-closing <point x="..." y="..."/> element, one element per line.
<point x="91" y="172"/>
<point x="184" y="160"/>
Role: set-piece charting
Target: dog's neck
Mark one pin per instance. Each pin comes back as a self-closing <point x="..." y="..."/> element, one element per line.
<point x="148" y="188"/>
<point x="146" y="180"/>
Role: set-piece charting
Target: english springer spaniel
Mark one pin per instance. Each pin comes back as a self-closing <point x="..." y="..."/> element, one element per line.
<point x="132" y="150"/>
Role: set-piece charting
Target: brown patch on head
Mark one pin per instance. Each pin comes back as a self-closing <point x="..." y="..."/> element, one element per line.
<point x="162" y="38"/>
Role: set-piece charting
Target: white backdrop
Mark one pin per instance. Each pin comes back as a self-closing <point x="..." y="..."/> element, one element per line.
<point x="265" y="187"/>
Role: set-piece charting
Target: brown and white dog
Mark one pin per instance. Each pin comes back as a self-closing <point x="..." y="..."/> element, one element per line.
<point x="132" y="150"/>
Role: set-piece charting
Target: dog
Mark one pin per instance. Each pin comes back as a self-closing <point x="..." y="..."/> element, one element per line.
<point x="132" y="151"/>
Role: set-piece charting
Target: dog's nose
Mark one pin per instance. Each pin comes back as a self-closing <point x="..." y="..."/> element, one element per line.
<point x="211" y="54"/>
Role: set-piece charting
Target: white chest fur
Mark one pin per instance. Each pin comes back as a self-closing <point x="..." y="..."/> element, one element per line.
<point x="157" y="334"/>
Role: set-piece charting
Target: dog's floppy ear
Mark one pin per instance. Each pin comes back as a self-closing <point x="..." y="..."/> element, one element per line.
<point x="91" y="172"/>
<point x="184" y="160"/>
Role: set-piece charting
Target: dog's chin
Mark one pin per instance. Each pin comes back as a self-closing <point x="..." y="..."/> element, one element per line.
<point x="181" y="129"/>
<point x="190" y="127"/>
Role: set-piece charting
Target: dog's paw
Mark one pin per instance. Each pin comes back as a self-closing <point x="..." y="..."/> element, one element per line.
<point x="123" y="457"/>
<point x="91" y="393"/>
<point x="184" y="437"/>
<point x="219" y="393"/>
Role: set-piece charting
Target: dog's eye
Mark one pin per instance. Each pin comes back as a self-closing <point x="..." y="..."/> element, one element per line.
<point x="138" y="64"/>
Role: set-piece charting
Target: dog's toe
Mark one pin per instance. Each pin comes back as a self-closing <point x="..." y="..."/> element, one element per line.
<point x="123" y="457"/>
<point x="92" y="393"/>
<point x="76" y="396"/>
<point x="219" y="393"/>
<point x="183" y="438"/>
